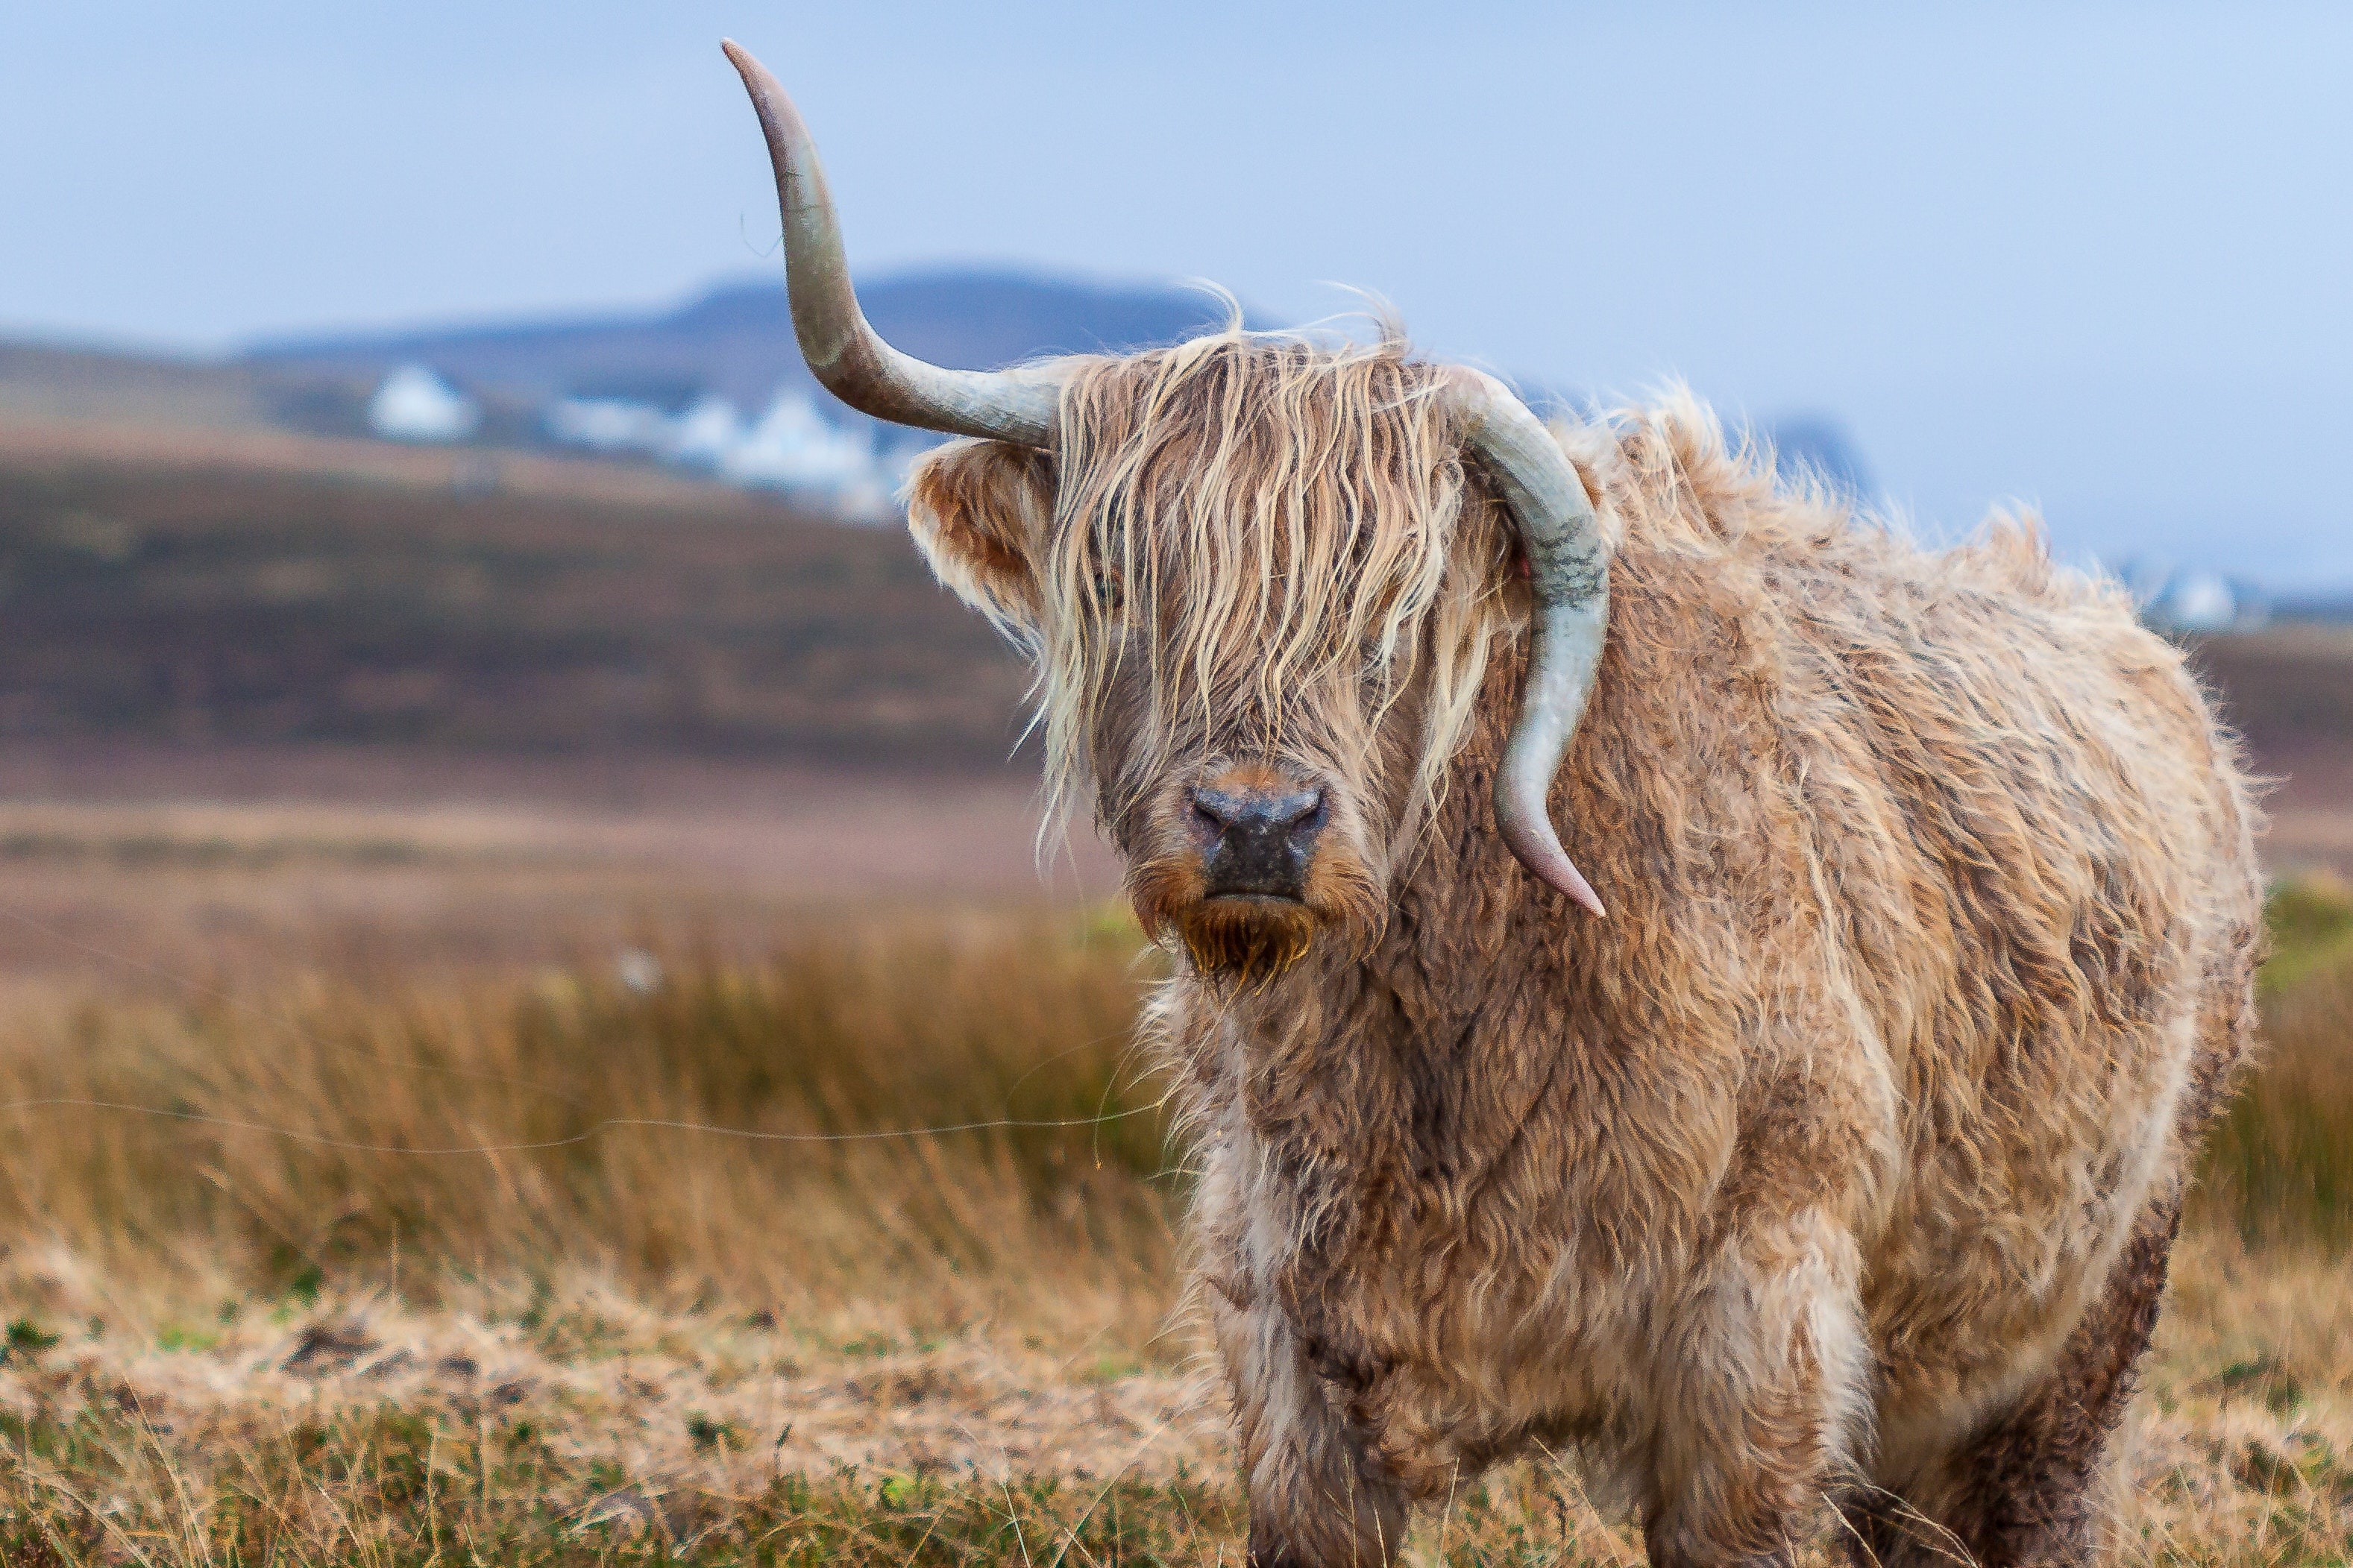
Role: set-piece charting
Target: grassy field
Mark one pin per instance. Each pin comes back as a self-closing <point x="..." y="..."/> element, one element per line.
<point x="462" y="1270"/>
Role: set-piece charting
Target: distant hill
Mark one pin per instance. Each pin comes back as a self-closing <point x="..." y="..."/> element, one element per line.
<point x="738" y="338"/>
<point x="221" y="588"/>
<point x="114" y="386"/>
<point x="2337" y="607"/>
<point x="269" y="587"/>
<point x="734" y="340"/>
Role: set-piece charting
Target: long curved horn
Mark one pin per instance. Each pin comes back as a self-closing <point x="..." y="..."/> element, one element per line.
<point x="843" y="352"/>
<point x="1568" y="567"/>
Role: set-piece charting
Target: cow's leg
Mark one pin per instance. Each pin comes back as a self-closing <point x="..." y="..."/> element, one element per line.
<point x="1763" y="1389"/>
<point x="1315" y="1501"/>
<point x="2029" y="1489"/>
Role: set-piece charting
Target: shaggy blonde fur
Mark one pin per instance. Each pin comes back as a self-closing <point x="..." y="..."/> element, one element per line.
<point x="1242" y="525"/>
<point x="1840" y="1163"/>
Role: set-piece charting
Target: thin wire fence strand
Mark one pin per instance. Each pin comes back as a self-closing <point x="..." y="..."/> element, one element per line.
<point x="594" y="1130"/>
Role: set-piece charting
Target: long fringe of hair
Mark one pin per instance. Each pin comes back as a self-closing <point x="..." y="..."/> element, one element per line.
<point x="1244" y="517"/>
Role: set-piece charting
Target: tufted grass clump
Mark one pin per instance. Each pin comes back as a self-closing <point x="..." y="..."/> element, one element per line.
<point x="410" y="1491"/>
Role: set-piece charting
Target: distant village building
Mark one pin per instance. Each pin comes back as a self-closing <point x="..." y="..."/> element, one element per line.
<point x="2193" y="599"/>
<point x="793" y="448"/>
<point x="703" y="435"/>
<point x="797" y="449"/>
<point x="607" y="424"/>
<point x="415" y="405"/>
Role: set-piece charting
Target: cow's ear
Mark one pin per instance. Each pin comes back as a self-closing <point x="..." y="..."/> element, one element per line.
<point x="979" y="512"/>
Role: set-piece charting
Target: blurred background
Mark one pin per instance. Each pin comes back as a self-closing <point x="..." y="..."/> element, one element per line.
<point x="461" y="681"/>
<point x="419" y="379"/>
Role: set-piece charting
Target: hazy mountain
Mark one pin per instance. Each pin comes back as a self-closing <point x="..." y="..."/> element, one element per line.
<point x="736" y="340"/>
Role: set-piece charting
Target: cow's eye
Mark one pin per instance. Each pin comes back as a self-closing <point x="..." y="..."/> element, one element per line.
<point x="1111" y="595"/>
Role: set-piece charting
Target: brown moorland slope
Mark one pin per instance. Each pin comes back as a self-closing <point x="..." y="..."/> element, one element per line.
<point x="280" y="588"/>
<point x="2289" y="691"/>
<point x="263" y="586"/>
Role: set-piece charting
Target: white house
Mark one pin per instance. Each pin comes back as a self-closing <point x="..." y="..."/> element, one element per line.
<point x="705" y="433"/>
<point x="607" y="424"/>
<point x="2192" y="599"/>
<point x="794" y="447"/>
<point x="415" y="404"/>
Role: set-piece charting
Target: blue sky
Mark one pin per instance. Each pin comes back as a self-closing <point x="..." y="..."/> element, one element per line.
<point x="2091" y="257"/>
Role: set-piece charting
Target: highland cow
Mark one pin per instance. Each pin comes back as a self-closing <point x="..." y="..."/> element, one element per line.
<point x="1828" y="1179"/>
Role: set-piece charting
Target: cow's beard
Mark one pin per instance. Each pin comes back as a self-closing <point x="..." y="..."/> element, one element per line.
<point x="1247" y="941"/>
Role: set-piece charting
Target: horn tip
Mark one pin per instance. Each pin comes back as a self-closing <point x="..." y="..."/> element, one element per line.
<point x="1580" y="891"/>
<point x="1538" y="850"/>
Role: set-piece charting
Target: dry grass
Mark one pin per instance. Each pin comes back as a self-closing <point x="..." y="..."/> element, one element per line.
<point x="633" y="1342"/>
<point x="708" y="1135"/>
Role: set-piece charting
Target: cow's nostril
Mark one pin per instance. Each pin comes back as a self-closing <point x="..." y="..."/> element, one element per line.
<point x="1218" y="808"/>
<point x="1259" y="810"/>
<point x="1310" y="816"/>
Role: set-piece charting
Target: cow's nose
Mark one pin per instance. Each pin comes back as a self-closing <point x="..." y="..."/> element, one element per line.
<point x="1261" y="840"/>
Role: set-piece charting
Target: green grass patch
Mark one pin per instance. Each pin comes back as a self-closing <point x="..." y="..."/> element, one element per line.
<point x="2279" y="1165"/>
